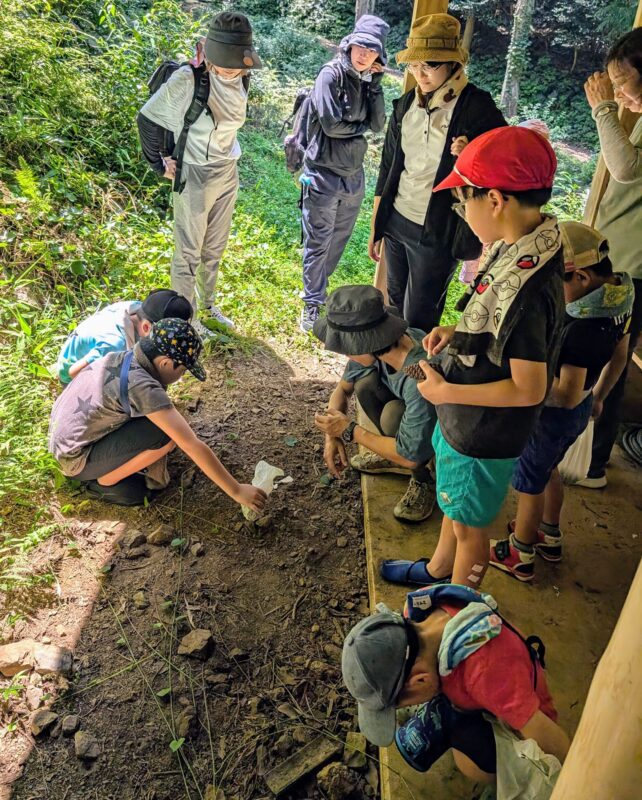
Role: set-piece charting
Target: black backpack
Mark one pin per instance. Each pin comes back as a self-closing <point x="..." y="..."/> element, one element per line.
<point x="158" y="141"/>
<point x="296" y="143"/>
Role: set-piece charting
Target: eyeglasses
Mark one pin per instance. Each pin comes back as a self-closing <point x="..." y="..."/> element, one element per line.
<point x="460" y="209"/>
<point x="426" y="67"/>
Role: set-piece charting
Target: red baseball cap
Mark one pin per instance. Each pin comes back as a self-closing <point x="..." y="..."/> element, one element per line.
<point x="511" y="158"/>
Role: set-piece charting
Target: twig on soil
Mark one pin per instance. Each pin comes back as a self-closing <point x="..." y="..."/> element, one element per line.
<point x="299" y="599"/>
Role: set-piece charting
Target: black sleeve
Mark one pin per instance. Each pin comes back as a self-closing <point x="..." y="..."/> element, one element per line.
<point x="151" y="142"/>
<point x="376" y="104"/>
<point x="484" y="116"/>
<point x="530" y="339"/>
<point x="326" y="96"/>
<point x="389" y="148"/>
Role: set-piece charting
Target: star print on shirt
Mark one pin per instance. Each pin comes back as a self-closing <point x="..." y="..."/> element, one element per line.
<point x="84" y="406"/>
<point x="113" y="372"/>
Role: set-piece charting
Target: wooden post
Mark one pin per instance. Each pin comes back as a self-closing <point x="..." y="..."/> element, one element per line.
<point x="420" y="9"/>
<point x="601" y="176"/>
<point x="605" y="759"/>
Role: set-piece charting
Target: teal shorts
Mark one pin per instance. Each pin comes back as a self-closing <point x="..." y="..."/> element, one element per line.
<point x="470" y="490"/>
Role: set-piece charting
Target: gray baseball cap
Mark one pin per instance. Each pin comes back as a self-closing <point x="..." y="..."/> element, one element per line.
<point x="375" y="654"/>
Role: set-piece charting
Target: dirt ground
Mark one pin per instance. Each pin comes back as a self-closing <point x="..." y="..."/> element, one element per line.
<point x="277" y="600"/>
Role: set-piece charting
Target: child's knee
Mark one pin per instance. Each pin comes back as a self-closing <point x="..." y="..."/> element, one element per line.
<point x="468" y="768"/>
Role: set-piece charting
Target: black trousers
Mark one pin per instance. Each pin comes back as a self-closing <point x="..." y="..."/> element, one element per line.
<point x="606" y="428"/>
<point x="418" y="274"/>
<point x="385" y="410"/>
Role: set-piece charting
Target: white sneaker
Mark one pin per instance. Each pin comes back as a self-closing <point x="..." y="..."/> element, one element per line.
<point x="205" y="333"/>
<point x="593" y="483"/>
<point x="217" y="315"/>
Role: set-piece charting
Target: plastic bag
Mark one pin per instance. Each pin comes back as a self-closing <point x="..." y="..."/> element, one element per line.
<point x="264" y="476"/>
<point x="524" y="771"/>
<point x="575" y="465"/>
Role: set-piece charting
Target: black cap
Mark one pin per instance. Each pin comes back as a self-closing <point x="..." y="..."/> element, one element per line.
<point x="177" y="339"/>
<point x="162" y="303"/>
<point x="229" y="43"/>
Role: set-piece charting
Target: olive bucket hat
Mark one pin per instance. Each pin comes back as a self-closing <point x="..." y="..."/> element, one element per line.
<point x="435" y="37"/>
<point x="357" y="322"/>
<point x="229" y="42"/>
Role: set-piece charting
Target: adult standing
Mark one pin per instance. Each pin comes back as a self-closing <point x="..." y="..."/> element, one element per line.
<point x="619" y="219"/>
<point x="205" y="197"/>
<point x="429" y="127"/>
<point x="345" y="102"/>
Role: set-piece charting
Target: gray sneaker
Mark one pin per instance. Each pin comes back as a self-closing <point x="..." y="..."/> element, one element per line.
<point x="309" y="315"/>
<point x="417" y="503"/>
<point x="217" y="315"/>
<point x="376" y="465"/>
<point x="205" y="333"/>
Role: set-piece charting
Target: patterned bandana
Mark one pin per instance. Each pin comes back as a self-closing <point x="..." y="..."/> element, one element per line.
<point x="489" y="308"/>
<point x="609" y="300"/>
<point x="177" y="339"/>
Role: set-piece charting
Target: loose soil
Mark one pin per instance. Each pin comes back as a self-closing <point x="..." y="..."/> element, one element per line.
<point x="277" y="599"/>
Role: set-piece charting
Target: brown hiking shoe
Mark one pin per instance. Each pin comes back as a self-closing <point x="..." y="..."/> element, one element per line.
<point x="376" y="465"/>
<point x="417" y="503"/>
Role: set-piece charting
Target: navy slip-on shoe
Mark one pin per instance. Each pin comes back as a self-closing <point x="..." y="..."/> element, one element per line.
<point x="413" y="573"/>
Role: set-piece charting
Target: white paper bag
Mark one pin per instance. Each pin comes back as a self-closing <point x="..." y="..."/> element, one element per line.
<point x="264" y="476"/>
<point x="575" y="465"/>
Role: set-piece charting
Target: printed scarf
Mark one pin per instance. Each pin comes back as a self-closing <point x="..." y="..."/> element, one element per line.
<point x="609" y="300"/>
<point x="489" y="306"/>
<point x="446" y="93"/>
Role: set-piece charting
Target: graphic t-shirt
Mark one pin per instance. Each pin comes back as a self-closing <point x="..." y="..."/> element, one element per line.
<point x="90" y="407"/>
<point x="485" y="432"/>
<point x="499" y="678"/>
<point x="106" y="331"/>
<point x="413" y="439"/>
<point x="590" y="343"/>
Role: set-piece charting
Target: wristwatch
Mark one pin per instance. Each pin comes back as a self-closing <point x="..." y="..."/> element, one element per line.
<point x="348" y="434"/>
<point x="609" y="108"/>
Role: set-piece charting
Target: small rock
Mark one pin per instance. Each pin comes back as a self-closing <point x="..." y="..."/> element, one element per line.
<point x="216" y="678"/>
<point x="33" y="696"/>
<point x="337" y="781"/>
<point x="140" y="600"/>
<point x="342" y="541"/>
<point x="136" y="552"/>
<point x="86" y="746"/>
<point x="42" y="721"/>
<point x="161" y="536"/>
<point x="213" y="794"/>
<point x="239" y="655"/>
<point x="264" y="521"/>
<point x="354" y="753"/>
<point x="301" y="734"/>
<point x="255" y="704"/>
<point x="315" y="629"/>
<point x="51" y="658"/>
<point x="332" y="652"/>
<point x="133" y="539"/>
<point x="46" y="639"/>
<point x="61" y="630"/>
<point x="70" y="724"/>
<point x="196" y="644"/>
<point x="197" y="549"/>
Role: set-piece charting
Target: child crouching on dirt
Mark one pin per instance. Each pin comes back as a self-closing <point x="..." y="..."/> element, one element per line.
<point x="593" y="352"/>
<point x="114" y="425"/>
<point x="117" y="327"/>
<point x="482" y="688"/>
<point x="499" y="358"/>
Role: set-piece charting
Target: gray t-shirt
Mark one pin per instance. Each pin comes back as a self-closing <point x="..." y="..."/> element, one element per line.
<point x="414" y="437"/>
<point x="90" y="408"/>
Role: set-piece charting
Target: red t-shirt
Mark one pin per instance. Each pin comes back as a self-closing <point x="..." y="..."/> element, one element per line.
<point x="499" y="678"/>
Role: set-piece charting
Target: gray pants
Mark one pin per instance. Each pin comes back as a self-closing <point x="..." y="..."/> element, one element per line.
<point x="202" y="221"/>
<point x="328" y="220"/>
<point x="385" y="410"/>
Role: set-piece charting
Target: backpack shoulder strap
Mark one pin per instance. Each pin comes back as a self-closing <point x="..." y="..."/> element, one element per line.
<point x="196" y="107"/>
<point x="124" y="382"/>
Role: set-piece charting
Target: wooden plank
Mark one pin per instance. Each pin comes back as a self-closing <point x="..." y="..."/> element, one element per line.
<point x="301" y="763"/>
<point x="611" y="719"/>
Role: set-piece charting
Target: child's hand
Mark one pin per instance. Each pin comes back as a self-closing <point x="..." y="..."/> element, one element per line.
<point x="251" y="496"/>
<point x="437" y="339"/>
<point x="334" y="455"/>
<point x="431" y="389"/>
<point x="459" y="142"/>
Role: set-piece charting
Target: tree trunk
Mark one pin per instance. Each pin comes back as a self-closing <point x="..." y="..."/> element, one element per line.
<point x="517" y="58"/>
<point x="467" y="38"/>
<point x="362" y="7"/>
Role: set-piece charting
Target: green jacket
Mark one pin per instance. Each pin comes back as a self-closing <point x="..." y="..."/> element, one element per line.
<point x="619" y="216"/>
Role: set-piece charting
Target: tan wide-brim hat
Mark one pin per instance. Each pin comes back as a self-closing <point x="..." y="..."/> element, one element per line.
<point x="435" y="37"/>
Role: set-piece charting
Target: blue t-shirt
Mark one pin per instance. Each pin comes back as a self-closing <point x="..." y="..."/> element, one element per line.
<point x="414" y="437"/>
<point x="107" y="331"/>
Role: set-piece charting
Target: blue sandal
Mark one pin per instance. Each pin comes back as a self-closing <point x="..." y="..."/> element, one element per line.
<point x="413" y="573"/>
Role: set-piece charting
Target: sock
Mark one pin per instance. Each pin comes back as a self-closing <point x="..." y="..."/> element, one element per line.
<point x="521" y="546"/>
<point x="550" y="530"/>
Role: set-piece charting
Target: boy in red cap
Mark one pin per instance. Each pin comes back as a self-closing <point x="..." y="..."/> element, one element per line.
<point x="599" y="303"/>
<point x="497" y="362"/>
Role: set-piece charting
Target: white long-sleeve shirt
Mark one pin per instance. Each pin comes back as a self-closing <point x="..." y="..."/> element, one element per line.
<point x="212" y="137"/>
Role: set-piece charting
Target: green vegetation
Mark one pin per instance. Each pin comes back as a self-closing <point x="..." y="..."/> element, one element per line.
<point x="83" y="221"/>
